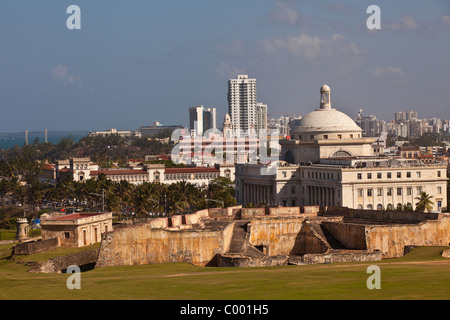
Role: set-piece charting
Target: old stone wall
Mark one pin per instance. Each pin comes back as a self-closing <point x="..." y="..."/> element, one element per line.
<point x="391" y="240"/>
<point x="143" y="244"/>
<point x="279" y="235"/>
<point x="353" y="256"/>
<point x="378" y="215"/>
<point x="85" y="260"/>
<point x="352" y="236"/>
<point x="33" y="247"/>
<point x="309" y="240"/>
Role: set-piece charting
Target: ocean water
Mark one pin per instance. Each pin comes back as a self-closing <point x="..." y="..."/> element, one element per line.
<point x="10" y="139"/>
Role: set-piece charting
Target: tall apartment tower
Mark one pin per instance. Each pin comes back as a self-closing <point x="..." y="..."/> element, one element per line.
<point x="242" y="103"/>
<point x="261" y="110"/>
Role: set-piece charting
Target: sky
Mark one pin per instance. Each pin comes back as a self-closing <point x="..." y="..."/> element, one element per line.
<point x="136" y="62"/>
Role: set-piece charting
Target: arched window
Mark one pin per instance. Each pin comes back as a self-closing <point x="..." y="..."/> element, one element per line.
<point x="341" y="153"/>
<point x="289" y="157"/>
<point x="369" y="207"/>
<point x="379" y="207"/>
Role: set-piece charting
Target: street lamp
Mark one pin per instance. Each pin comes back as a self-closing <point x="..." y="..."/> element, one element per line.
<point x="103" y="199"/>
<point x="219" y="201"/>
<point x="54" y="185"/>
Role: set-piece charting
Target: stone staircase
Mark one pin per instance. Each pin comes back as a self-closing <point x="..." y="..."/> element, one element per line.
<point x="240" y="241"/>
<point x="324" y="235"/>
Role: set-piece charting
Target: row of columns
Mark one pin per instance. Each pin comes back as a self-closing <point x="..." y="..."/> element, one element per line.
<point x="321" y="196"/>
<point x="256" y="193"/>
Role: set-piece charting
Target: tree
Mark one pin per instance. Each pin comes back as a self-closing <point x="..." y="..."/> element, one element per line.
<point x="424" y="202"/>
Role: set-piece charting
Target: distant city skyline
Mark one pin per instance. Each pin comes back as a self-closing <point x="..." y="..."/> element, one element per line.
<point x="132" y="65"/>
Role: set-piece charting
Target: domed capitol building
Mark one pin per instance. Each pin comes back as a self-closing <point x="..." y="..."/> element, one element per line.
<point x="327" y="162"/>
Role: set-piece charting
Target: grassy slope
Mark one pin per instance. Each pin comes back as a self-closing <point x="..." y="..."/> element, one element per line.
<point x="422" y="274"/>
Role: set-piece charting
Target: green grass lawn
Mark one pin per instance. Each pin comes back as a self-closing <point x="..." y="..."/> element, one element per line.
<point x="422" y="274"/>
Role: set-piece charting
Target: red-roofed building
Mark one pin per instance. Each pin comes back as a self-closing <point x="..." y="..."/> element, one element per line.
<point x="78" y="229"/>
<point x="84" y="170"/>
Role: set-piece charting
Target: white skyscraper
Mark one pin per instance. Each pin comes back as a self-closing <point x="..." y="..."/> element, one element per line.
<point x="242" y="103"/>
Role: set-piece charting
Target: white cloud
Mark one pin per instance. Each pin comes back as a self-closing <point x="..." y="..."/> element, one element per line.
<point x="446" y="19"/>
<point x="282" y="13"/>
<point x="312" y="47"/>
<point x="228" y="70"/>
<point x="388" y="71"/>
<point x="61" y="74"/>
<point x="407" y="23"/>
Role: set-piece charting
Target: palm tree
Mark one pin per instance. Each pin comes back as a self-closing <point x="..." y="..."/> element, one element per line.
<point x="424" y="202"/>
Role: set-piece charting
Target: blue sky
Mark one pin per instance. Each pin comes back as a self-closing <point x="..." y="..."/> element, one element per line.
<point x="136" y="62"/>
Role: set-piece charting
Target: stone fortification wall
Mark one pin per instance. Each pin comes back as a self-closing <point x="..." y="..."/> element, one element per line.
<point x="391" y="240"/>
<point x="144" y="244"/>
<point x="352" y="236"/>
<point x="33" y="247"/>
<point x="85" y="260"/>
<point x="342" y="257"/>
<point x="378" y="215"/>
<point x="279" y="235"/>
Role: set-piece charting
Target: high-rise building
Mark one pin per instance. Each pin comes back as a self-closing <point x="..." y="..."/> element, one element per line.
<point x="196" y="120"/>
<point x="261" y="110"/>
<point x="209" y="118"/>
<point x="400" y="116"/>
<point x="242" y="103"/>
<point x="202" y="119"/>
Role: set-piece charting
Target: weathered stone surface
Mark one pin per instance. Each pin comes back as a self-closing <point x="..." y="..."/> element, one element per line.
<point x="59" y="264"/>
<point x="446" y="253"/>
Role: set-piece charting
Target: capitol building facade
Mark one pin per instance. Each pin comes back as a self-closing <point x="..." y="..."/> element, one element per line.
<point x="327" y="162"/>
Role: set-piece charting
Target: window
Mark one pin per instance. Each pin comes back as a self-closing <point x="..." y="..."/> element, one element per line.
<point x="339" y="136"/>
<point x="325" y="136"/>
<point x="389" y="175"/>
<point x="418" y="174"/>
<point x="293" y="189"/>
<point x="369" y="176"/>
<point x="360" y="192"/>
<point x="380" y="192"/>
<point x="439" y="174"/>
<point x="409" y="191"/>
<point x="284" y="174"/>
<point x="359" y="176"/>
<point x="389" y="192"/>
<point x="66" y="235"/>
<point x="379" y="175"/>
<point x="311" y="137"/>
<point x="408" y="174"/>
<point x="439" y="189"/>
<point x="399" y="175"/>
<point x="418" y="190"/>
<point x="399" y="191"/>
<point x="370" y="192"/>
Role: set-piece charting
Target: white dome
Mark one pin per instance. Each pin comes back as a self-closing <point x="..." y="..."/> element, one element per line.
<point x="325" y="88"/>
<point x="327" y="121"/>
